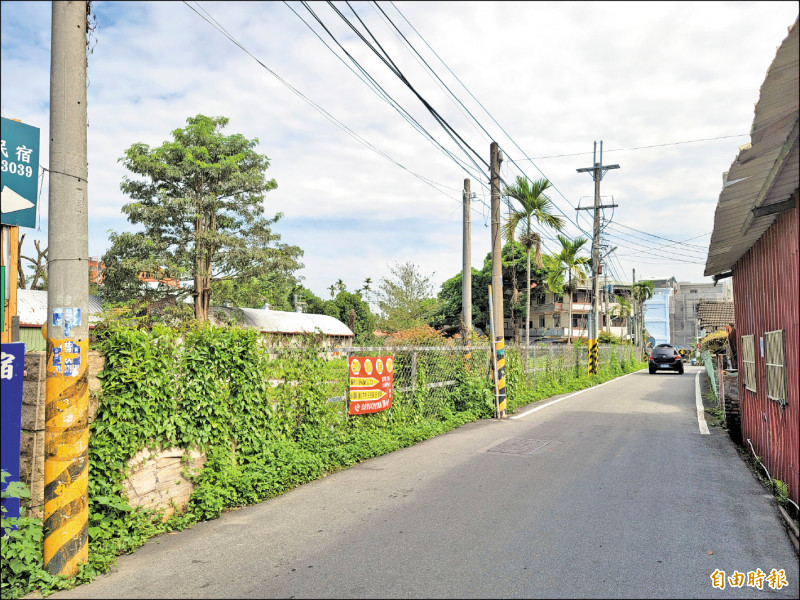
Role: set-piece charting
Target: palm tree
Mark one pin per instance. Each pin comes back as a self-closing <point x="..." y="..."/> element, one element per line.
<point x="553" y="273"/>
<point x="574" y="265"/>
<point x="536" y="206"/>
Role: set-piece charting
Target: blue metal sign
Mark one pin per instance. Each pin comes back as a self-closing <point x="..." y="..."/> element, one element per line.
<point x="19" y="180"/>
<point x="12" y="370"/>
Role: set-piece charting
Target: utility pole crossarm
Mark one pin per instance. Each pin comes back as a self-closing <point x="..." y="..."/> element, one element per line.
<point x="593" y="207"/>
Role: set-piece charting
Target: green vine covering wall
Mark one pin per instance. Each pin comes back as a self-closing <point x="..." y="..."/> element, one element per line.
<point x="209" y="389"/>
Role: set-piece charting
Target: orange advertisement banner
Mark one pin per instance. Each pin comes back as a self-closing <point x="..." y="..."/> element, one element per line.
<point x="371" y="380"/>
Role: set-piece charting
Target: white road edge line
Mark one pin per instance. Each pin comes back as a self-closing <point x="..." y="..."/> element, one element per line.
<point x="701" y="419"/>
<point x="594" y="387"/>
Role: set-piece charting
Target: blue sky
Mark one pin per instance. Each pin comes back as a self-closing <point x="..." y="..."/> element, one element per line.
<point x="555" y="76"/>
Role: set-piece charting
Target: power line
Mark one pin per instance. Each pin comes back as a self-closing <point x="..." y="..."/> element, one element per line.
<point x="658" y="236"/>
<point x="568" y="218"/>
<point x="394" y="69"/>
<point x="213" y="22"/>
<point x="722" y="137"/>
<point x="372" y="83"/>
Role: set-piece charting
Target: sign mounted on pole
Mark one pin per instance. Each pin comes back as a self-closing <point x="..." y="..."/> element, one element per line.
<point x="19" y="179"/>
<point x="371" y="380"/>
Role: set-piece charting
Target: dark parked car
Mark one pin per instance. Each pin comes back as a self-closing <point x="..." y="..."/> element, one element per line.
<point x="665" y="357"/>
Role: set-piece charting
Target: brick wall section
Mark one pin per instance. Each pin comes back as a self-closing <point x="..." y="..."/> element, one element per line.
<point x="156" y="478"/>
<point x="153" y="475"/>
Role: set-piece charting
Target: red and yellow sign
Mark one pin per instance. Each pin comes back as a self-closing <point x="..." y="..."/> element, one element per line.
<point x="371" y="379"/>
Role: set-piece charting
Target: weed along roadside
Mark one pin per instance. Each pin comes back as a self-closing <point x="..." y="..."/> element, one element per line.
<point x="194" y="422"/>
<point x="716" y="417"/>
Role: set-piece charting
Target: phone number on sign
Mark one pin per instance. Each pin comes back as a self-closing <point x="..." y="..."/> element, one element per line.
<point x="17" y="168"/>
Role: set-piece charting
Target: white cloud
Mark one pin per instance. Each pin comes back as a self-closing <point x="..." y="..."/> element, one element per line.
<point x="556" y="76"/>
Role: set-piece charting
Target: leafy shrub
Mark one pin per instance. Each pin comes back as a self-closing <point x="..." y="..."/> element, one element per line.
<point x="22" y="561"/>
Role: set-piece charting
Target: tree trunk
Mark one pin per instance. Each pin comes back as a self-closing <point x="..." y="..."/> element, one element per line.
<point x="20" y="272"/>
<point x="570" y="306"/>
<point x="528" y="309"/>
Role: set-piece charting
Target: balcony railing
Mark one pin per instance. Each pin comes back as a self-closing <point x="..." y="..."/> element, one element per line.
<point x="563" y="332"/>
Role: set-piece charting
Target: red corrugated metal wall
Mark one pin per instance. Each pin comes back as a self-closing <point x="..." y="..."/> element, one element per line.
<point x="765" y="288"/>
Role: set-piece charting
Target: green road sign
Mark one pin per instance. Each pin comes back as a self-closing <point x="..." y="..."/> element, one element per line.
<point x="20" y="173"/>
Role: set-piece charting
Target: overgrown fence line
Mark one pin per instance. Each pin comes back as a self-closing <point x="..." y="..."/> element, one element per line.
<point x="434" y="370"/>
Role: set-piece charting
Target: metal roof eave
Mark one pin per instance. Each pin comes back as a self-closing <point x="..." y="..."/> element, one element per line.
<point x="766" y="172"/>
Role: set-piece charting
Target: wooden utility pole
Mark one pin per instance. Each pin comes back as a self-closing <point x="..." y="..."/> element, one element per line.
<point x="597" y="171"/>
<point x="66" y="464"/>
<point x="497" y="273"/>
<point x="466" y="273"/>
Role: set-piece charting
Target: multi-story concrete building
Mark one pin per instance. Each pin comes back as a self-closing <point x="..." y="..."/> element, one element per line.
<point x="550" y="314"/>
<point x="683" y="309"/>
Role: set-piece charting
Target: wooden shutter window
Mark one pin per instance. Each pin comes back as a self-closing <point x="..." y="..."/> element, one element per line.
<point x="775" y="360"/>
<point x="749" y="362"/>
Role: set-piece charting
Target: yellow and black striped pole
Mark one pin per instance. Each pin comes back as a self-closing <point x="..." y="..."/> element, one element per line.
<point x="66" y="468"/>
<point x="593" y="357"/>
<point x="66" y="463"/>
<point x="499" y="348"/>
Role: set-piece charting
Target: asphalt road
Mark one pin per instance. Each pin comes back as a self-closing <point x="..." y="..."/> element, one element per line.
<point x="610" y="493"/>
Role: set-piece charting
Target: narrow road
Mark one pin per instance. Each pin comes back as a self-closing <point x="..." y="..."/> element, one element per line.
<point x="609" y="493"/>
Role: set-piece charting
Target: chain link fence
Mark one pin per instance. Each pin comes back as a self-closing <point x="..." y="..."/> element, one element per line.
<point x="548" y="358"/>
<point x="710" y="364"/>
<point x="425" y="376"/>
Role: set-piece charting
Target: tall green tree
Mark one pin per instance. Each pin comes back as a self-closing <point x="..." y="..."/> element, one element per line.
<point x="200" y="204"/>
<point x="405" y="298"/>
<point x="536" y="207"/>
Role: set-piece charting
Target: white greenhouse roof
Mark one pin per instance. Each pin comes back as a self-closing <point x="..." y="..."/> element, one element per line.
<point x="278" y="321"/>
<point x="32" y="308"/>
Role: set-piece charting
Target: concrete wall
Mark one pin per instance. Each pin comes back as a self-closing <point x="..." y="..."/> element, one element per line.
<point x="155" y="476"/>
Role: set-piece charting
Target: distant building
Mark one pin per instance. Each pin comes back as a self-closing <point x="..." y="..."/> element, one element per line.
<point x="550" y="313"/>
<point x="714" y="316"/>
<point x="289" y="326"/>
<point x="683" y="313"/>
<point x="656" y="315"/>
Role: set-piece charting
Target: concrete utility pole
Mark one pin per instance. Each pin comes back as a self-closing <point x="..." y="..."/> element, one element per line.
<point x="598" y="171"/>
<point x="635" y="317"/>
<point x="605" y="297"/>
<point x="466" y="274"/>
<point x="67" y="394"/>
<point x="497" y="243"/>
<point x="495" y="158"/>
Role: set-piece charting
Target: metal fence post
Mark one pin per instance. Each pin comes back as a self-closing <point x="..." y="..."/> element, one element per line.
<point x="414" y="371"/>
